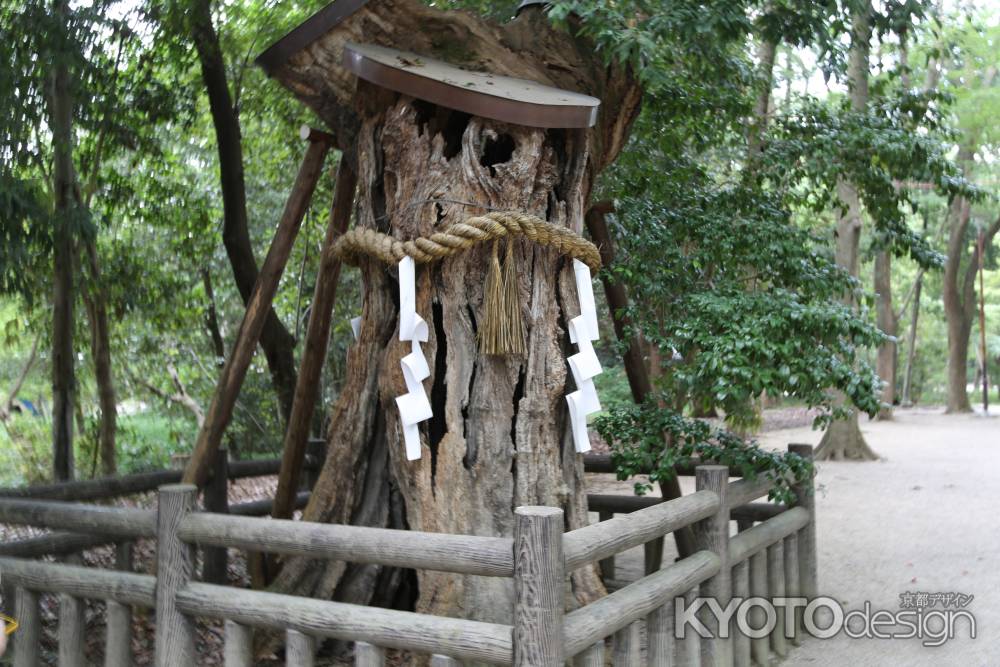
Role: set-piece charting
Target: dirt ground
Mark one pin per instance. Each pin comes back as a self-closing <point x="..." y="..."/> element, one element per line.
<point x="923" y="519"/>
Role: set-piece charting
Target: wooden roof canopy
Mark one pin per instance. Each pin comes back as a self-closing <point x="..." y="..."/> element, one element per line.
<point x="319" y="60"/>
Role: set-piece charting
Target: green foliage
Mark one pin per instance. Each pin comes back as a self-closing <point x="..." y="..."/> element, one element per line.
<point x="638" y="436"/>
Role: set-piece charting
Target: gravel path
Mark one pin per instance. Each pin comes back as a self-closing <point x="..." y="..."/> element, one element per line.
<point x="925" y="518"/>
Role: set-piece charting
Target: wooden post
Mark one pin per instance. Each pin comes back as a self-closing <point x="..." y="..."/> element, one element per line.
<point x="220" y="411"/>
<point x="215" y="560"/>
<point x="791" y="559"/>
<point x="118" y="642"/>
<point x="71" y="626"/>
<point x="741" y="589"/>
<point x="174" y="566"/>
<point x="776" y="589"/>
<point x="712" y="534"/>
<point x="758" y="589"/>
<point x="307" y="385"/>
<point x="607" y="565"/>
<point x="539" y="570"/>
<point x="239" y="645"/>
<point x="805" y="497"/>
<point x="26" y="639"/>
<point x="687" y="648"/>
<point x="660" y="636"/>
<point x="442" y="661"/>
<point x="300" y="649"/>
<point x="592" y="656"/>
<point x="627" y="648"/>
<point x="369" y="655"/>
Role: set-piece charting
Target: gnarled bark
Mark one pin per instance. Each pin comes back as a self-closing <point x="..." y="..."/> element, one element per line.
<point x="498" y="438"/>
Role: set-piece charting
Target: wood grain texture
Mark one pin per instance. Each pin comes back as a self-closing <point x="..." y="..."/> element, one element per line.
<point x="660" y="635"/>
<point x="742" y="491"/>
<point x="741" y="589"/>
<point x="792" y="583"/>
<point x="444" y="661"/>
<point x="70" y="633"/>
<point x="600" y="540"/>
<point x="539" y="593"/>
<point x="687" y="648"/>
<point x="758" y="538"/>
<point x="486" y="556"/>
<point x="759" y="646"/>
<point x="112" y="487"/>
<point x="587" y="625"/>
<point x="805" y="497"/>
<point x="238" y="650"/>
<point x="174" y="645"/>
<point x="459" y="638"/>
<point x="83" y="582"/>
<point x="107" y="521"/>
<point x="627" y="646"/>
<point x="592" y="656"/>
<point x="300" y="649"/>
<point x="118" y="638"/>
<point x="56" y="543"/>
<point x="776" y="589"/>
<point x="712" y="534"/>
<point x="369" y="655"/>
<point x="26" y="640"/>
<point x="619" y="504"/>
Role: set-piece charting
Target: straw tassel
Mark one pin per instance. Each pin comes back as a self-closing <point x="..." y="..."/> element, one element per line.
<point x="500" y="333"/>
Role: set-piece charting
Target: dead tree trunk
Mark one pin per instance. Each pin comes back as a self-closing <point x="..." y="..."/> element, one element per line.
<point x="843" y="438"/>
<point x="499" y="436"/>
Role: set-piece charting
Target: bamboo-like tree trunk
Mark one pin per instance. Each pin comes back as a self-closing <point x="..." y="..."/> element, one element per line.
<point x="67" y="200"/>
<point x="100" y="350"/>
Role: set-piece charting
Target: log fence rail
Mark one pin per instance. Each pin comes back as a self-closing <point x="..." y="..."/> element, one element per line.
<point x="772" y="554"/>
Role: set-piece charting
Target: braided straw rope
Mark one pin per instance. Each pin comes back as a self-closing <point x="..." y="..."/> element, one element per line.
<point x="356" y="244"/>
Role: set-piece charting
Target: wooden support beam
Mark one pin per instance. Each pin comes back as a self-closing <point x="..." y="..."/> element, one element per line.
<point x="220" y="412"/>
<point x="712" y="534"/>
<point x="314" y="351"/>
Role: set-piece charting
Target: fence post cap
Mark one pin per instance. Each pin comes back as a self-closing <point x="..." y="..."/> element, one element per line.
<point x="537" y="510"/>
<point x="177" y="488"/>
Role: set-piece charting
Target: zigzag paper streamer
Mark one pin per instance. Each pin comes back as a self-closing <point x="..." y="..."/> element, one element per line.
<point x="414" y="406"/>
<point x="584" y="365"/>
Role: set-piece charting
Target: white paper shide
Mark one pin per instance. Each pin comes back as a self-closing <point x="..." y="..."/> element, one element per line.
<point x="414" y="406"/>
<point x="584" y="365"/>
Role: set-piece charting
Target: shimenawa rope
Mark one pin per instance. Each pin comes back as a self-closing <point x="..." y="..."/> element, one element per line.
<point x="501" y="330"/>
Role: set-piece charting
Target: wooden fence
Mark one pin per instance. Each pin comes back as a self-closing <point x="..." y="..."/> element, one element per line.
<point x="774" y="557"/>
